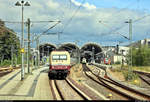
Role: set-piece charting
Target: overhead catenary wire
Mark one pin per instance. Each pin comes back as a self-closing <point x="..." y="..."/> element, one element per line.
<point x="44" y="32"/>
<point x="115" y="30"/>
<point x="118" y="28"/>
<point x="61" y="17"/>
<point x="50" y="27"/>
<point x="74" y="14"/>
<point x="9" y="30"/>
<point x="107" y="27"/>
<point x="117" y="12"/>
<point x="138" y="6"/>
<point x="32" y="22"/>
<point x="69" y="4"/>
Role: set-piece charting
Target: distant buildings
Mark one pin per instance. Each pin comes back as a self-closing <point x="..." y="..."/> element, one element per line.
<point x="144" y="42"/>
<point x="120" y="54"/>
<point x="141" y="42"/>
<point x="116" y="55"/>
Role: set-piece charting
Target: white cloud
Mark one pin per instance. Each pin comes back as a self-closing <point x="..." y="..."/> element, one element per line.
<point x="84" y="25"/>
<point x="76" y="3"/>
<point x="86" y="5"/>
<point x="52" y="4"/>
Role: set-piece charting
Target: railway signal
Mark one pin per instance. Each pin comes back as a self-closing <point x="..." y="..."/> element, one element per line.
<point x="22" y="50"/>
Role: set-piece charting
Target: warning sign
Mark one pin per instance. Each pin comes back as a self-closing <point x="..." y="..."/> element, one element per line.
<point x="22" y="50"/>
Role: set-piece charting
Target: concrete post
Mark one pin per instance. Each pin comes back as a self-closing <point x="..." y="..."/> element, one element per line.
<point x="28" y="52"/>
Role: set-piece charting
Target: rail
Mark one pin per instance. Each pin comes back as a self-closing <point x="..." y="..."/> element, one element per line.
<point x="111" y="81"/>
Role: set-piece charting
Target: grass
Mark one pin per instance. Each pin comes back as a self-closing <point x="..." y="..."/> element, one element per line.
<point x="5" y="63"/>
<point x="140" y="68"/>
<point x="76" y="73"/>
<point x="131" y="77"/>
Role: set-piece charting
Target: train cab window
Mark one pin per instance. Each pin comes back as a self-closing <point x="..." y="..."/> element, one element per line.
<point x="63" y="57"/>
<point x="55" y="57"/>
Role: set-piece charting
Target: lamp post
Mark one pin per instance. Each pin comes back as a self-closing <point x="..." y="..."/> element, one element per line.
<point x="22" y="4"/>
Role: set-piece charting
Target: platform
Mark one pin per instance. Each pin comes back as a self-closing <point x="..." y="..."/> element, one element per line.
<point x="35" y="86"/>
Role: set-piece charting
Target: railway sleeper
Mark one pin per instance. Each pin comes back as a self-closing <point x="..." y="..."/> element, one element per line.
<point x="58" y="74"/>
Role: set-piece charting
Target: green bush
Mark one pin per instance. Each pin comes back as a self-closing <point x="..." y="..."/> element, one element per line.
<point x="130" y="75"/>
<point x="6" y="63"/>
<point x="140" y="56"/>
<point x="19" y="59"/>
<point x="118" y="62"/>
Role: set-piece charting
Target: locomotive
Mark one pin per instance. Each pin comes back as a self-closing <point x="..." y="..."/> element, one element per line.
<point x="84" y="61"/>
<point x="107" y="61"/>
<point x="59" y="64"/>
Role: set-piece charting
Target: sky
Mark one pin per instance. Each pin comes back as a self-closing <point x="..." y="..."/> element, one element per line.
<point x="82" y="21"/>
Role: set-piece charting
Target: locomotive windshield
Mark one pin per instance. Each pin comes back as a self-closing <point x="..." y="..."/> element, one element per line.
<point x="63" y="57"/>
<point x="55" y="57"/>
<point x="59" y="57"/>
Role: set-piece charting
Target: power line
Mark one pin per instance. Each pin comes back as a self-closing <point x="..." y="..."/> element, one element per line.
<point x="43" y="21"/>
<point x="138" y="6"/>
<point x="51" y="27"/>
<point x="37" y="36"/>
<point x="115" y="30"/>
<point x="140" y="18"/>
<point x="8" y="29"/>
<point x="31" y="21"/>
<point x="73" y="15"/>
<point x="117" y="12"/>
<point x="2" y="25"/>
<point x="69" y="4"/>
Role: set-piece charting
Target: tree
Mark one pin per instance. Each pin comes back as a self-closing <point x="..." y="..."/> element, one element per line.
<point x="7" y="39"/>
<point x="141" y="55"/>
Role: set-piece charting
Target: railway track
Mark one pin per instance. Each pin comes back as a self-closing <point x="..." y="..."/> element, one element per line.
<point x="123" y="90"/>
<point x="144" y="76"/>
<point x="5" y="71"/>
<point x="65" y="90"/>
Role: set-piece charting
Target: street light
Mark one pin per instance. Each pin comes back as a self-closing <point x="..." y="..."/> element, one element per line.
<point x="22" y="4"/>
